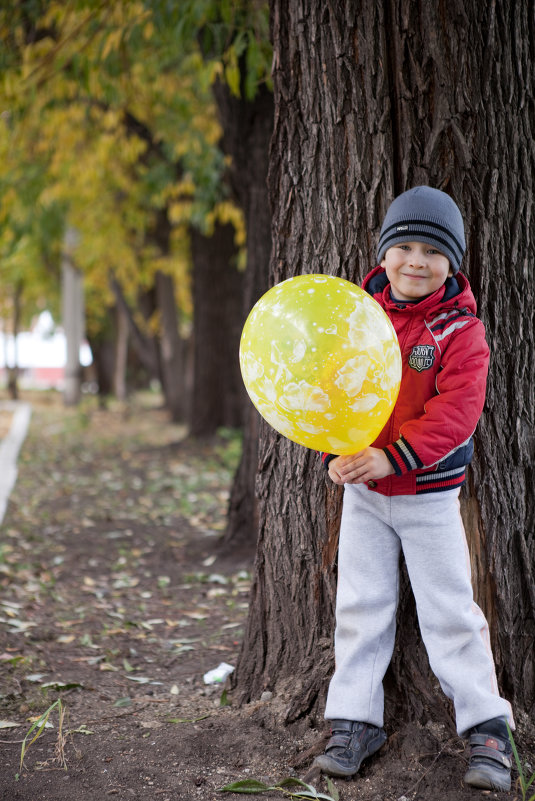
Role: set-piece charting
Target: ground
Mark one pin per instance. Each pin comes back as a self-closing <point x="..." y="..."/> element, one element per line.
<point x="116" y="599"/>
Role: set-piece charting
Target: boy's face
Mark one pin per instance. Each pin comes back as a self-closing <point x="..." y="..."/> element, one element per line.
<point x="415" y="269"/>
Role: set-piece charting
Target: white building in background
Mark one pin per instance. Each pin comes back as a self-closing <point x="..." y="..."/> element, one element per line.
<point x="41" y="355"/>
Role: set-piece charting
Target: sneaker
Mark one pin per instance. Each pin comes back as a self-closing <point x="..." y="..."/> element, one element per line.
<point x="490" y="756"/>
<point x="351" y="743"/>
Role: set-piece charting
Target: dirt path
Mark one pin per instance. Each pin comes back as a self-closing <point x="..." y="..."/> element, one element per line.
<point x="115" y="601"/>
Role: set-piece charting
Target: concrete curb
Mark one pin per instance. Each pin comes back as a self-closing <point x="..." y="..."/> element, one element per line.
<point x="9" y="450"/>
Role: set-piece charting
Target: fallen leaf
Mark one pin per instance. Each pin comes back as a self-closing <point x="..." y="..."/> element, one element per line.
<point x="12" y="658"/>
<point x="59" y="685"/>
<point x="81" y="730"/>
<point x="11" y="604"/>
<point x="37" y="718"/>
<point x="20" y="625"/>
<point x="37" y="677"/>
<point x="123" y="702"/>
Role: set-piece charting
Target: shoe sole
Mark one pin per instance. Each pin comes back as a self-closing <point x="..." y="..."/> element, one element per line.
<point x="486" y="779"/>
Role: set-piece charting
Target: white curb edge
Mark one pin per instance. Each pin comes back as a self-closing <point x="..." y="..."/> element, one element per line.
<point x="9" y="450"/>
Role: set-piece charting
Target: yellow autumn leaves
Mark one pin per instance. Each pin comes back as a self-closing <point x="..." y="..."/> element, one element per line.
<point x="102" y="126"/>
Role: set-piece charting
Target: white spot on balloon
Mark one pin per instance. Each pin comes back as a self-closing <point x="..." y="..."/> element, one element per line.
<point x="366" y="404"/>
<point x="299" y="351"/>
<point x="302" y="396"/>
<point x="351" y="376"/>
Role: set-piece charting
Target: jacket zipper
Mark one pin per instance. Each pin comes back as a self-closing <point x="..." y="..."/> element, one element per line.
<point x="402" y="348"/>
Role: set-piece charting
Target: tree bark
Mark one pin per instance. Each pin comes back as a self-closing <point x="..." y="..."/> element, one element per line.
<point x="217" y="292"/>
<point x="121" y="355"/>
<point x="12" y="371"/>
<point x="73" y="314"/>
<point x="163" y="356"/>
<point x="109" y="347"/>
<point x="247" y="127"/>
<point x="371" y="99"/>
<point x="172" y="364"/>
<point x="145" y="347"/>
<point x="103" y="352"/>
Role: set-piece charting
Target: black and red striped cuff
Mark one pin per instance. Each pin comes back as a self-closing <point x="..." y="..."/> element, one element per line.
<point x="326" y="458"/>
<point x="402" y="457"/>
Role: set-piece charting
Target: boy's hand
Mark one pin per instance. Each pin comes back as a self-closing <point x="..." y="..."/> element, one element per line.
<point x="357" y="468"/>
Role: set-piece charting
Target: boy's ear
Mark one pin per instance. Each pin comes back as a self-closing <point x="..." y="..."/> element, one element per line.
<point x="450" y="272"/>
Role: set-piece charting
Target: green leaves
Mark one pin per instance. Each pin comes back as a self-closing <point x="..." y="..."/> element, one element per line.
<point x="106" y="124"/>
<point x="246" y="786"/>
<point x="524" y="782"/>
<point x="251" y="786"/>
<point x="40" y="724"/>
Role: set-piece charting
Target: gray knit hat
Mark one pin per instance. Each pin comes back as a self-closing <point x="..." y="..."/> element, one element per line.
<point x="424" y="214"/>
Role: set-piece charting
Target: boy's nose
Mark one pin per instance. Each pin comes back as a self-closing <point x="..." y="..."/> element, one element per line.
<point x="418" y="258"/>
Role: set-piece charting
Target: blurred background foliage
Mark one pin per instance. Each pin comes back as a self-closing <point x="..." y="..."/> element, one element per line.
<point x="108" y="126"/>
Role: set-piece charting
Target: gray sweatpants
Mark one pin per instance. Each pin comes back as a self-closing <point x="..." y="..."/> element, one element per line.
<point x="430" y="531"/>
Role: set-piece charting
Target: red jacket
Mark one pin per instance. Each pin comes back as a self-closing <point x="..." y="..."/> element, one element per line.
<point x="428" y="437"/>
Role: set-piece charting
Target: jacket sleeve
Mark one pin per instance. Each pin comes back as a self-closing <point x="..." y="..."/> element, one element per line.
<point x="450" y="417"/>
<point x="326" y="458"/>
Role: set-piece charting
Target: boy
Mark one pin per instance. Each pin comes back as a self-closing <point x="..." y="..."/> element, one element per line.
<point x="402" y="493"/>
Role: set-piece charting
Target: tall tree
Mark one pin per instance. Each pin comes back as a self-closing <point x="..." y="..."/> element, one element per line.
<point x="371" y="99"/>
<point x="217" y="298"/>
<point x="234" y="37"/>
<point x="114" y="115"/>
<point x="247" y="124"/>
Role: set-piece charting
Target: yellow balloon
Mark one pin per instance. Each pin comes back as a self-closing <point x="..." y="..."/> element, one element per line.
<point x="321" y="362"/>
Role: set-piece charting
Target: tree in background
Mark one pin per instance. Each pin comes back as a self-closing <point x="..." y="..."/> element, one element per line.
<point x="234" y="40"/>
<point x="369" y="101"/>
<point x="30" y="234"/>
<point x="122" y="111"/>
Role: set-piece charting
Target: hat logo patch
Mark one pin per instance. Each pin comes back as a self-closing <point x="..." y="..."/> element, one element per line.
<point x="422" y="357"/>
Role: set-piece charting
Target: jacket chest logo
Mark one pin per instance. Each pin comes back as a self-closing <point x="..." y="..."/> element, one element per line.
<point x="422" y="357"/>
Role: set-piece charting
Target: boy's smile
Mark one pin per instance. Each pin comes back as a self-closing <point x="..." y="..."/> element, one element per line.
<point x="415" y="269"/>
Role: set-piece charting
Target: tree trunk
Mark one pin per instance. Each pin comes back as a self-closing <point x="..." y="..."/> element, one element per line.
<point x="163" y="356"/>
<point x="109" y="347"/>
<point x="170" y="346"/>
<point x="12" y="371"/>
<point x="145" y="347"/>
<point x="247" y="127"/>
<point x="173" y="368"/>
<point x="121" y="355"/>
<point x="217" y="292"/>
<point x="371" y="99"/>
<point x="73" y="320"/>
<point x="103" y="352"/>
